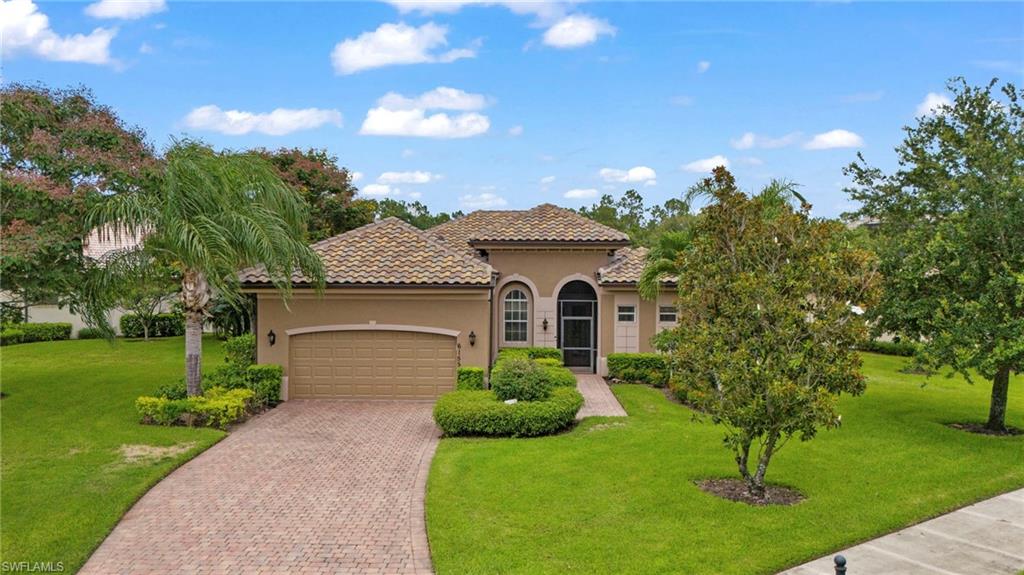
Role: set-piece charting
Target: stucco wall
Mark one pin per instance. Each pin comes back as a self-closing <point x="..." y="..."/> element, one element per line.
<point x="454" y="309"/>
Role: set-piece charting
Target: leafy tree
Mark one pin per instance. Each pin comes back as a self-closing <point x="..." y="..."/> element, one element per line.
<point x="630" y="215"/>
<point x="212" y="215"/>
<point x="415" y="213"/>
<point x="148" y="283"/>
<point x="325" y="187"/>
<point x="766" y="330"/>
<point x="60" y="151"/>
<point x="952" y="222"/>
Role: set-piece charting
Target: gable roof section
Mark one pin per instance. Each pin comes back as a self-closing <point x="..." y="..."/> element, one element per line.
<point x="389" y="252"/>
<point x="626" y="268"/>
<point x="544" y="224"/>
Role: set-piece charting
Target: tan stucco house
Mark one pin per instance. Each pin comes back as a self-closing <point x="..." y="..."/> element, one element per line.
<point x="404" y="307"/>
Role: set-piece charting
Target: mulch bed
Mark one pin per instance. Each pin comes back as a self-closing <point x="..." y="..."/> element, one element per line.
<point x="982" y="430"/>
<point x="736" y="490"/>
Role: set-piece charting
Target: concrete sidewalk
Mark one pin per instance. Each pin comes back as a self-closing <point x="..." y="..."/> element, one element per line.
<point x="984" y="538"/>
<point x="598" y="399"/>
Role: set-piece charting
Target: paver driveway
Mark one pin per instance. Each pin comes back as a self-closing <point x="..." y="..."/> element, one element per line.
<point x="309" y="487"/>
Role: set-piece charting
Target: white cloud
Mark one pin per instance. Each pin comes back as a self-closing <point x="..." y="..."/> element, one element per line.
<point x="276" y="123"/>
<point x="379" y="190"/>
<point x="751" y="140"/>
<point x="440" y="98"/>
<point x="547" y="180"/>
<point x="416" y="177"/>
<point x="482" y="201"/>
<point x="706" y="164"/>
<point x="545" y="11"/>
<point x="580" y="194"/>
<point x="577" y="30"/>
<point x="834" y="139"/>
<point x="125" y="9"/>
<point x="639" y="174"/>
<point x="355" y="176"/>
<point x="23" y="28"/>
<point x="393" y="44"/>
<point x="396" y="115"/>
<point x="703" y="66"/>
<point x="145" y="48"/>
<point x="515" y="131"/>
<point x="932" y="103"/>
<point x="751" y="161"/>
<point x="408" y="153"/>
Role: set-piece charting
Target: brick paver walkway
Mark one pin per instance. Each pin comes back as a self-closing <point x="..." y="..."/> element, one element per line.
<point x="598" y="398"/>
<point x="309" y="487"/>
<point x="986" y="538"/>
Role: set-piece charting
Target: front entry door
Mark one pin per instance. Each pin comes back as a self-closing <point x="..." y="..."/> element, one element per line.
<point x="577" y="334"/>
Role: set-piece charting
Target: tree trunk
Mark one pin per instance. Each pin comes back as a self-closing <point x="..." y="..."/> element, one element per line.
<point x="145" y="331"/>
<point x="997" y="407"/>
<point x="755" y="485"/>
<point x="195" y="296"/>
<point x="742" y="456"/>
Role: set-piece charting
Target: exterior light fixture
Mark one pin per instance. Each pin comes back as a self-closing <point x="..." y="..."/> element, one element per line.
<point x="472" y="338"/>
<point x="272" y="337"/>
<point x="544" y="324"/>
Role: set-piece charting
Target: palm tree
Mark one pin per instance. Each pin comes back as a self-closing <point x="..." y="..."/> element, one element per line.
<point x="211" y="215"/>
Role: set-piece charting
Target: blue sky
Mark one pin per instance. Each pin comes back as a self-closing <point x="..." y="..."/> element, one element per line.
<point x="463" y="105"/>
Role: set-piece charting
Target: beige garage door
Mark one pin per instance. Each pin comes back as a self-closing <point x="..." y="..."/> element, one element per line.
<point x="371" y="365"/>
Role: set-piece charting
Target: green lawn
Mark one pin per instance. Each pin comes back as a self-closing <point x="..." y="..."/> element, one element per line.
<point x="617" y="496"/>
<point x="68" y="410"/>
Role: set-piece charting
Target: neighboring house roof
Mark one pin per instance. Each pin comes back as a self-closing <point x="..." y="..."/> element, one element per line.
<point x="102" y="241"/>
<point x="389" y="252"/>
<point x="626" y="268"/>
<point x="544" y="224"/>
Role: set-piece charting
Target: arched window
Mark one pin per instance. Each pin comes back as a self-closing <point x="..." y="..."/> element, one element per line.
<point x="517" y="310"/>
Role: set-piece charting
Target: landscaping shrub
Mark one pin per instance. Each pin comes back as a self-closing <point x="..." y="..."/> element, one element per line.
<point x="470" y="378"/>
<point x="481" y="413"/>
<point x="520" y="378"/>
<point x="217" y="407"/>
<point x="176" y="390"/>
<point x="264" y="380"/>
<point x="11" y="336"/>
<point x="44" y="331"/>
<point x="531" y="352"/>
<point x="903" y="348"/>
<point x="647" y="368"/>
<point x="557" y="375"/>
<point x="240" y="350"/>
<point x="89" y="333"/>
<point x="164" y="325"/>
<point x="548" y="361"/>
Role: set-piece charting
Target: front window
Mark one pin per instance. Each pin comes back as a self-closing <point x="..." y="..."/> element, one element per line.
<point x="516" y="312"/>
<point x="667" y="313"/>
<point x="627" y="313"/>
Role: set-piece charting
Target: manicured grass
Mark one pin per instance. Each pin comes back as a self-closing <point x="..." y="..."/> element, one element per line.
<point x="617" y="495"/>
<point x="68" y="409"/>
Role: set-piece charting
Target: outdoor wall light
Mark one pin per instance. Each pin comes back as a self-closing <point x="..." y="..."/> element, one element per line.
<point x="272" y="337"/>
<point x="472" y="338"/>
<point x="544" y="324"/>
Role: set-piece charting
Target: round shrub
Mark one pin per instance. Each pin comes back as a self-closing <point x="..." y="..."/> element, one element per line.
<point x="480" y="413"/>
<point x="557" y="375"/>
<point x="520" y="378"/>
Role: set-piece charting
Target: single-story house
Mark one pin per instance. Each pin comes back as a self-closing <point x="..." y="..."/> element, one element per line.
<point x="403" y="307"/>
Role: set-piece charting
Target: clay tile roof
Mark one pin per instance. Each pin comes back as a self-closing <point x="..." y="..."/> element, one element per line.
<point x="389" y="252"/>
<point x="545" y="223"/>
<point x="626" y="267"/>
<point x="548" y="223"/>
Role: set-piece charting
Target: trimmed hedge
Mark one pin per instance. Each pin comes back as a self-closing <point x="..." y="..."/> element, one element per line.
<point x="481" y="413"/>
<point x="89" y="333"/>
<point x="469" y="377"/>
<point x="44" y="331"/>
<point x="646" y="368"/>
<point x="902" y="348"/>
<point x="11" y="336"/>
<point x="558" y="376"/>
<point x="218" y="407"/>
<point x="520" y="378"/>
<point x="164" y="325"/>
<point x="531" y="352"/>
<point x="240" y="350"/>
<point x="264" y="380"/>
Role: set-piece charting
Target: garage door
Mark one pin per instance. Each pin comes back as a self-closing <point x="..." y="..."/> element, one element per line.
<point x="371" y="365"/>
